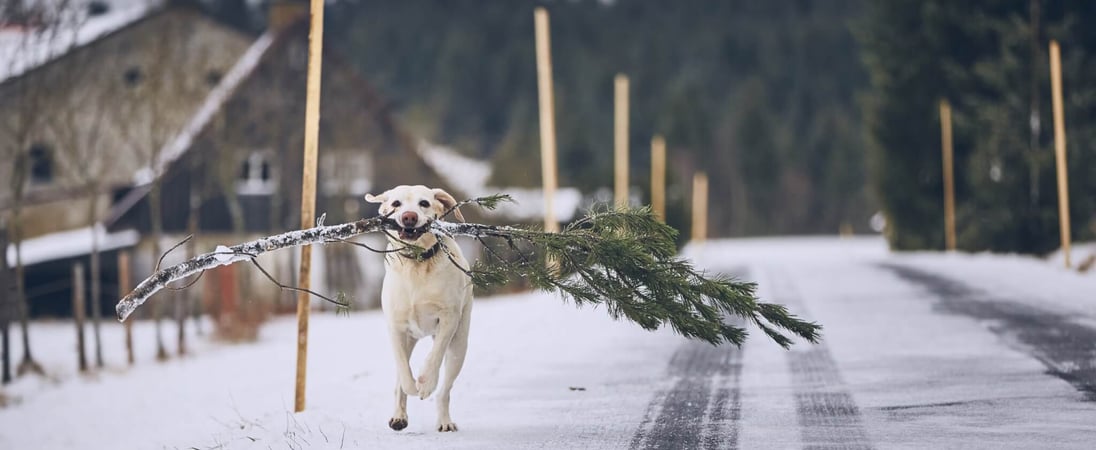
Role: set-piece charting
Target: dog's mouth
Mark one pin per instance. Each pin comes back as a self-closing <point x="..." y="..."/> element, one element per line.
<point x="411" y="234"/>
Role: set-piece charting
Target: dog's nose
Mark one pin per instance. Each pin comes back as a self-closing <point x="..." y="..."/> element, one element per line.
<point x="409" y="219"/>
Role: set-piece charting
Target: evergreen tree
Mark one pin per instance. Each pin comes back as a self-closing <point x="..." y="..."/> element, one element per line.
<point x="463" y="73"/>
<point x="989" y="59"/>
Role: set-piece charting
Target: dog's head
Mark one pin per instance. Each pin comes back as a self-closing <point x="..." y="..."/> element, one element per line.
<point x="412" y="207"/>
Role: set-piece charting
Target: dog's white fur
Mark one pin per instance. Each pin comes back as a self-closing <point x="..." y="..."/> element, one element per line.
<point x="424" y="298"/>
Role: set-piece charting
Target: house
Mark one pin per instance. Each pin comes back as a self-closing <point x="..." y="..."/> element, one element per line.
<point x="170" y="110"/>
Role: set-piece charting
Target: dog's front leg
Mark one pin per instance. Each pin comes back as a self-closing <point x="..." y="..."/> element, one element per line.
<point x="402" y="352"/>
<point x="428" y="376"/>
<point x="399" y="417"/>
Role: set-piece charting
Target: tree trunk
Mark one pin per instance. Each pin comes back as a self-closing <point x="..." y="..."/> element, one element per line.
<point x="5" y="347"/>
<point x="157" y="225"/>
<point x="5" y="310"/>
<point x="79" y="308"/>
<point x="27" y="364"/>
<point x="95" y="275"/>
<point x="1033" y="119"/>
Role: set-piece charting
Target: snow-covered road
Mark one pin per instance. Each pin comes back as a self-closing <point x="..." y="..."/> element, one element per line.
<point x="920" y="351"/>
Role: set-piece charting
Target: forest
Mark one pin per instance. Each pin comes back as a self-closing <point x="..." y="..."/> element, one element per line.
<point x="810" y="116"/>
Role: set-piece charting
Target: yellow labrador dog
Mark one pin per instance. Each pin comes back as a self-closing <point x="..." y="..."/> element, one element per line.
<point x="424" y="295"/>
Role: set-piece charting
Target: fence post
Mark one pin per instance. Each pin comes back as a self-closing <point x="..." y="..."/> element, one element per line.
<point x="78" y="312"/>
<point x="546" y="99"/>
<point x="700" y="207"/>
<point x="658" y="177"/>
<point x="620" y="141"/>
<point x="1060" y="148"/>
<point x="125" y="284"/>
<point x="949" y="175"/>
<point x="308" y="192"/>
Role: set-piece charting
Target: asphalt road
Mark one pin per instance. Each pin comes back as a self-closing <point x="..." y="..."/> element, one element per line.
<point x="912" y="358"/>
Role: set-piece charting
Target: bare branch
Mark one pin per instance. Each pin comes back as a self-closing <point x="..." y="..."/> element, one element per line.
<point x="242" y="252"/>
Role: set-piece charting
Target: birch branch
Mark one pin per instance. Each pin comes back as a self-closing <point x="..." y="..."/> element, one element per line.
<point x="243" y="252"/>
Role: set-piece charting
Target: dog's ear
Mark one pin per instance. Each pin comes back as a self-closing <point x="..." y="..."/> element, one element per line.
<point x="380" y="198"/>
<point x="447" y="201"/>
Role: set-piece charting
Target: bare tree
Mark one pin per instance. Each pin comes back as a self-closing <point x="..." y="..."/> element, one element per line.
<point x="46" y="34"/>
<point x="5" y="308"/>
<point x="78" y="125"/>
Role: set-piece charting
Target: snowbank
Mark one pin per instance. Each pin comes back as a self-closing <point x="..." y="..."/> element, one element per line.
<point x="68" y="244"/>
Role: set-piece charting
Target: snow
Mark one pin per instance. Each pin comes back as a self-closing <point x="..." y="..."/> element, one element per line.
<point x="22" y="50"/>
<point x="1079" y="253"/>
<point x="917" y="377"/>
<point x="241" y="396"/>
<point x="68" y="244"/>
<point x="470" y="176"/>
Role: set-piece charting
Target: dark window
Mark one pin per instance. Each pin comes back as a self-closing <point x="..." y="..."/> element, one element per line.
<point x="265" y="175"/>
<point x="132" y="76"/>
<point x="98" y="7"/>
<point x="41" y="164"/>
<point x="213" y="77"/>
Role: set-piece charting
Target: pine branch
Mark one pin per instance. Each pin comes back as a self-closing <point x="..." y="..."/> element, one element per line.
<point x="624" y="260"/>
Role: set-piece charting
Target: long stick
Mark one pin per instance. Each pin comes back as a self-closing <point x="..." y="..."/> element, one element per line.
<point x="308" y="191"/>
<point x="658" y="177"/>
<point x="1060" y="148"/>
<point x="620" y="141"/>
<point x="700" y="207"/>
<point x="547" y="118"/>
<point x="949" y="175"/>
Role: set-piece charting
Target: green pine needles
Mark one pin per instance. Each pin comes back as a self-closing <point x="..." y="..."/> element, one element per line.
<point x="626" y="260"/>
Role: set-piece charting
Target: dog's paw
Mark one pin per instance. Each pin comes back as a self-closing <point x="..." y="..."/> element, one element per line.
<point x="426" y="385"/>
<point x="448" y="426"/>
<point x="397" y="423"/>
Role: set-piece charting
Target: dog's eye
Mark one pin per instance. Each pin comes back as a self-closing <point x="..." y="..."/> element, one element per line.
<point x="396" y="204"/>
<point x="424" y="203"/>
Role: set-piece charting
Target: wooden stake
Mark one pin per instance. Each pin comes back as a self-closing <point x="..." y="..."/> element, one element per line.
<point x="700" y="207"/>
<point x="547" y="118"/>
<point x="949" y="175"/>
<point x="125" y="284"/>
<point x="78" y="312"/>
<point x="658" y="177"/>
<point x="308" y="191"/>
<point x="620" y="141"/>
<point x="1060" y="148"/>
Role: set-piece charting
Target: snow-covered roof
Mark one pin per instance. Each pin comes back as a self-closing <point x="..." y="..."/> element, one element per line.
<point x="470" y="176"/>
<point x="64" y="28"/>
<point x="68" y="244"/>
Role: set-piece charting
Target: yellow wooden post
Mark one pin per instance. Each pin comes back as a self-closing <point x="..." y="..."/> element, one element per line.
<point x="1060" y="148"/>
<point x="700" y="207"/>
<point x="620" y="141"/>
<point x="547" y="118"/>
<point x="658" y="177"/>
<point x="125" y="284"/>
<point x="949" y="175"/>
<point x="308" y="191"/>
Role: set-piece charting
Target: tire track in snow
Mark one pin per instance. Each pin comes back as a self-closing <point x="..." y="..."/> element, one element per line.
<point x="828" y="415"/>
<point x="1066" y="348"/>
<point x="702" y="408"/>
